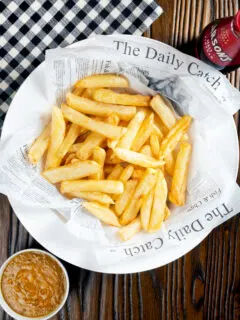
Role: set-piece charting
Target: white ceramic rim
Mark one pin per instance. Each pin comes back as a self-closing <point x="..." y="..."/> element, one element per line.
<point x="17" y="316"/>
<point x="124" y="267"/>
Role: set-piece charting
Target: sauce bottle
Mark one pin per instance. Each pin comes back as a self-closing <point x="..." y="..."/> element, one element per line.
<point x="219" y="44"/>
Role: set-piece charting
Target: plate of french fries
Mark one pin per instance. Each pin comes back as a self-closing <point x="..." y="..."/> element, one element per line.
<point x="124" y="155"/>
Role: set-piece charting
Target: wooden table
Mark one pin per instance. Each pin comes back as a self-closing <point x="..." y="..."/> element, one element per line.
<point x="205" y="283"/>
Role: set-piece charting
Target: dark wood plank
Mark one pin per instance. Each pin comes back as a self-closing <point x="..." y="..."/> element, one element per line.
<point x="4" y="231"/>
<point x="205" y="283"/>
<point x="209" y="278"/>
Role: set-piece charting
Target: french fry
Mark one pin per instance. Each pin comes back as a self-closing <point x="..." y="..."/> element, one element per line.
<point x="108" y="168"/>
<point x="147" y="150"/>
<point x="163" y="109"/>
<point x="74" y="160"/>
<point x="71" y="136"/>
<point x="70" y="157"/>
<point x="159" y="203"/>
<point x="78" y="91"/>
<point x="116" y="172"/>
<point x="137" y="174"/>
<point x="137" y="158"/>
<point x="167" y="213"/>
<point x="131" y="212"/>
<point x="126" y="173"/>
<point x="158" y="123"/>
<point x="185" y="138"/>
<point x="92" y="141"/>
<point x="146" y="208"/>
<point x="99" y="155"/>
<point x="112" y="143"/>
<point x="121" y="174"/>
<point x="102" y="213"/>
<point x="109" y="96"/>
<point x="111" y="158"/>
<point x="177" y="193"/>
<point x="132" y="130"/>
<point x="158" y="132"/>
<point x="93" y="196"/>
<point x="144" y="133"/>
<point x="72" y="171"/>
<point x="114" y="120"/>
<point x="39" y="146"/>
<point x="124" y="198"/>
<point x="154" y="144"/>
<point x="87" y="93"/>
<point x="103" y="80"/>
<point x="130" y="230"/>
<point x="58" y="128"/>
<point x="106" y="186"/>
<point x="144" y="186"/>
<point x="174" y="136"/>
<point x="99" y="109"/>
<point x="105" y="129"/>
<point x="86" y="106"/>
<point x="75" y="147"/>
<point x="169" y="164"/>
<point x="146" y="183"/>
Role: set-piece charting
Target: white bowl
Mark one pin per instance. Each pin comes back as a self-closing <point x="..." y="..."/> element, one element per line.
<point x="17" y="316"/>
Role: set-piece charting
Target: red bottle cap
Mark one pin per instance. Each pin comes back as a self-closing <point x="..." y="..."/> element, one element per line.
<point x="236" y="23"/>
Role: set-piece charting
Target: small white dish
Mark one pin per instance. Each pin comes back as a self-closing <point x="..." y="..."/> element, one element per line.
<point x="17" y="316"/>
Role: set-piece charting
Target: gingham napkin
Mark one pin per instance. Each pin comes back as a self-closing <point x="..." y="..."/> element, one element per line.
<point x="30" y="27"/>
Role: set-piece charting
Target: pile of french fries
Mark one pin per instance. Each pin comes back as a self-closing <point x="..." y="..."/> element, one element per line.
<point x="126" y="154"/>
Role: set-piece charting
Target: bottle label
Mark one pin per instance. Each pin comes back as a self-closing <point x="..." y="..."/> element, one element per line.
<point x="220" y="44"/>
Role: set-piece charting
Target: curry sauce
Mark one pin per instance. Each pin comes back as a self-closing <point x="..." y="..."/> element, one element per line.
<point x="33" y="284"/>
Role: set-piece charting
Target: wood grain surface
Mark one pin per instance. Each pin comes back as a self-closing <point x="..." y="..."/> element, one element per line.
<point x="205" y="283"/>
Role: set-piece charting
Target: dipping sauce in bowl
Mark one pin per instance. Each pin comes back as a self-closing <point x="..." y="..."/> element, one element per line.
<point x="34" y="284"/>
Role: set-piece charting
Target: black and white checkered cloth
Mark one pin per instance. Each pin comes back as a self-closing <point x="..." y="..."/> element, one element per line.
<point x="30" y="27"/>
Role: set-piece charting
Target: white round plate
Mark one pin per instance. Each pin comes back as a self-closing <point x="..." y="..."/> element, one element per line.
<point x="29" y="103"/>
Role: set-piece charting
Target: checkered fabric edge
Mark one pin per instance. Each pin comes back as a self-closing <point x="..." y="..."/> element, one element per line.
<point x="28" y="28"/>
